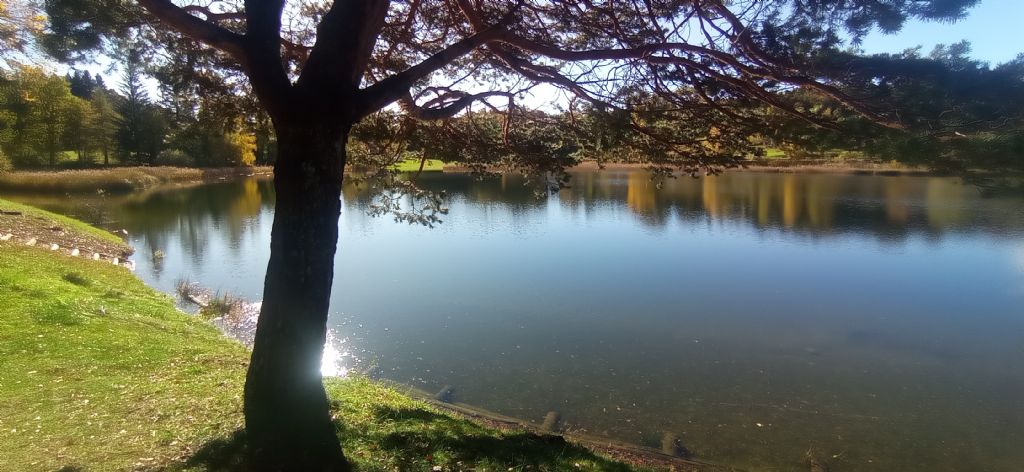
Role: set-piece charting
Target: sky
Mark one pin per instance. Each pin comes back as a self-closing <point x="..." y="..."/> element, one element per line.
<point x="993" y="28"/>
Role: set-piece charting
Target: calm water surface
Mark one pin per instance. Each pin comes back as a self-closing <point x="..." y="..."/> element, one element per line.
<point x="756" y="316"/>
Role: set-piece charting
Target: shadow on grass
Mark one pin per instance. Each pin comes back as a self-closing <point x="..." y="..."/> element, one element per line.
<point x="221" y="454"/>
<point x="418" y="433"/>
<point x="415" y="439"/>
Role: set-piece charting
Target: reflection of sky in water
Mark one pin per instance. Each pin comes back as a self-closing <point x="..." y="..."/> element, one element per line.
<point x="875" y="315"/>
<point x="1019" y="257"/>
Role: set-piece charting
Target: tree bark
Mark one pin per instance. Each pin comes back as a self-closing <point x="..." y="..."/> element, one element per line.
<point x="287" y="414"/>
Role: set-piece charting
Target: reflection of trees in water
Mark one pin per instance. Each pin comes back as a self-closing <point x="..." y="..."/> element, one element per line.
<point x="945" y="207"/>
<point x="887" y="207"/>
<point x="890" y="208"/>
<point x="194" y="215"/>
<point x="508" y="194"/>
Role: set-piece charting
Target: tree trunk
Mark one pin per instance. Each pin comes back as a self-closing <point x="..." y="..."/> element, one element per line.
<point x="287" y="414"/>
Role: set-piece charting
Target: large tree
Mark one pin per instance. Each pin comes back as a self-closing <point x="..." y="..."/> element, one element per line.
<point x="319" y="67"/>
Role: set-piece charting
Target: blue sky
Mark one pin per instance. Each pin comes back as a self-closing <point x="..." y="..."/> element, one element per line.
<point x="993" y="27"/>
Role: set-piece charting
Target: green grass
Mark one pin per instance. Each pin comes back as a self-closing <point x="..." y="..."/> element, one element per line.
<point x="70" y="224"/>
<point x="100" y="372"/>
<point x="413" y="165"/>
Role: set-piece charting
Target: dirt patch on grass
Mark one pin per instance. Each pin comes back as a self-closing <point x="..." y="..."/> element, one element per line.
<point x="33" y="228"/>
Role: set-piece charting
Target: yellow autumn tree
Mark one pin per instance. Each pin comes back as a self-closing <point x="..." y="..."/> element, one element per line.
<point x="241" y="148"/>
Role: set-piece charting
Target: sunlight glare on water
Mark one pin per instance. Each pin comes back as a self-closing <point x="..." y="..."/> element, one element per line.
<point x="336" y="360"/>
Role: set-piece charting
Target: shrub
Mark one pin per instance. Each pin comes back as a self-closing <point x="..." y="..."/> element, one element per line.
<point x="175" y="158"/>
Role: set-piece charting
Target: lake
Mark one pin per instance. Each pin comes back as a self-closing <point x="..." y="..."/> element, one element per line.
<point x="877" y="321"/>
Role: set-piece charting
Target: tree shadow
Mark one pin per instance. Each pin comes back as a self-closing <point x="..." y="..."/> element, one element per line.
<point x="221" y="454"/>
<point x="415" y="435"/>
<point x="418" y="432"/>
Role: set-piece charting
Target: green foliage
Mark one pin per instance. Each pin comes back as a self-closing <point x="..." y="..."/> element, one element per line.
<point x="5" y="163"/>
<point x="106" y="122"/>
<point x="36" y="110"/>
<point x="140" y="136"/>
<point x="957" y="114"/>
<point x="41" y="121"/>
<point x="83" y="85"/>
<point x="201" y="144"/>
<point x="78" y="130"/>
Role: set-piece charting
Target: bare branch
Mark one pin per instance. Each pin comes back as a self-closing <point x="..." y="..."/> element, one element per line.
<point x="198" y="29"/>
<point x="211" y="15"/>
<point x="447" y="111"/>
<point x="395" y="87"/>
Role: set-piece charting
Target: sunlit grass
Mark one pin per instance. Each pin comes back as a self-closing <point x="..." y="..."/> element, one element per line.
<point x="99" y="371"/>
<point x="413" y="165"/>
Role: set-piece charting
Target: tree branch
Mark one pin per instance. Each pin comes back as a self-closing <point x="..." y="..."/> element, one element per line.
<point x="211" y="15"/>
<point x="196" y="28"/>
<point x="396" y="86"/>
<point x="263" y="48"/>
<point x="447" y="111"/>
<point x="345" y="40"/>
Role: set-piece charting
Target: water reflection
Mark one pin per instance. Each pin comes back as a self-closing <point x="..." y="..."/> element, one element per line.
<point x="886" y="207"/>
<point x="817" y="205"/>
<point x="752" y="315"/>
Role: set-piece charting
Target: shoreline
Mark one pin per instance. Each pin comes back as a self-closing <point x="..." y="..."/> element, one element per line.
<point x="236" y="325"/>
<point x="634" y="454"/>
<point x="759" y="167"/>
<point x="197" y="380"/>
<point x="124" y="180"/>
<point x="120" y="180"/>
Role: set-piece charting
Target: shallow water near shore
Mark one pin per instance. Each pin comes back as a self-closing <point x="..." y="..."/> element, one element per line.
<point x="875" y="321"/>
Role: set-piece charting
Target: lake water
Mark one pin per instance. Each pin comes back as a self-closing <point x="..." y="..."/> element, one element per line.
<point x="878" y="321"/>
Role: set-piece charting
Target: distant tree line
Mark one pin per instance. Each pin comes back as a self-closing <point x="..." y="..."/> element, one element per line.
<point x="78" y="121"/>
<point x="956" y="114"/>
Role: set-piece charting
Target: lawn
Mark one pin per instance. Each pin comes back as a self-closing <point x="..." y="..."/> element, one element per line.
<point x="413" y="165"/>
<point x="10" y="209"/>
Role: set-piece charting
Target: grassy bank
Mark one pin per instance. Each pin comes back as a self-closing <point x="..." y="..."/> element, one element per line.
<point x="413" y="165"/>
<point x="100" y="372"/>
<point x="116" y="179"/>
<point x="94" y="372"/>
<point x="26" y="217"/>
